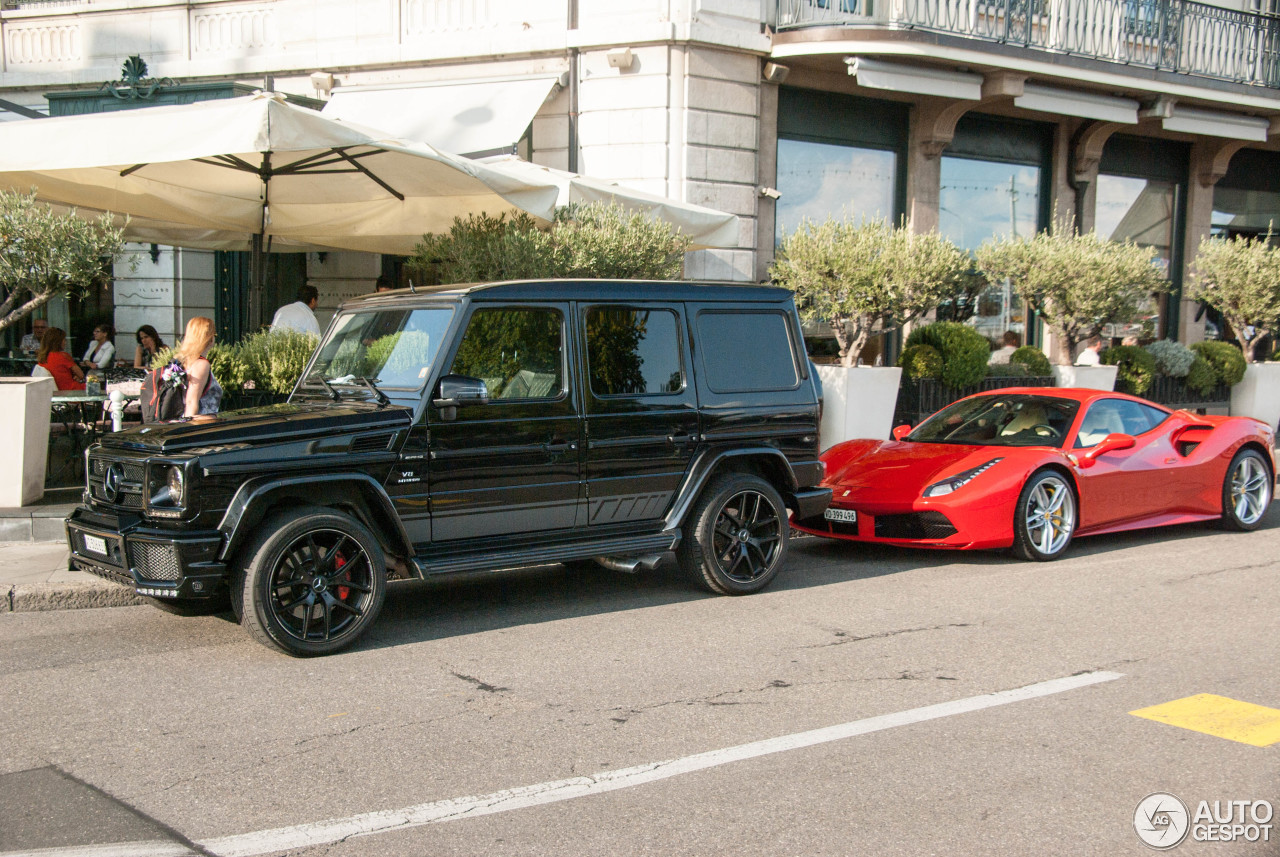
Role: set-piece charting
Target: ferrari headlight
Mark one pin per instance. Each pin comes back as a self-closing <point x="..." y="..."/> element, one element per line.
<point x="951" y="483"/>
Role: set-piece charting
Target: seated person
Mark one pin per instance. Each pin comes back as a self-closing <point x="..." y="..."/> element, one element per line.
<point x="101" y="350"/>
<point x="58" y="363"/>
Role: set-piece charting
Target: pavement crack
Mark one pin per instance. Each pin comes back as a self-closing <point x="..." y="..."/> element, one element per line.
<point x="843" y="637"/>
<point x="622" y="715"/>
<point x="480" y="685"/>
<point x="1217" y="571"/>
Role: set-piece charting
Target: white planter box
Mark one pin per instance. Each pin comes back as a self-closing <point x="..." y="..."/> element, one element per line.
<point x="1089" y="377"/>
<point x="857" y="402"/>
<point x="1258" y="393"/>
<point x="24" y="432"/>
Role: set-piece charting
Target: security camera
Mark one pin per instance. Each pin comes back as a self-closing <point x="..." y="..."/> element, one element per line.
<point x="770" y="192"/>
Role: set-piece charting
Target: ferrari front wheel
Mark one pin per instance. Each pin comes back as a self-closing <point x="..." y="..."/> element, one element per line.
<point x="1246" y="491"/>
<point x="1045" y="518"/>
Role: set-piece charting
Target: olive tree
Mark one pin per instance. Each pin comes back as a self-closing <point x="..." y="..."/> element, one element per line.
<point x="867" y="275"/>
<point x="1240" y="278"/>
<point x="595" y="240"/>
<point x="45" y="253"/>
<point x="1077" y="283"/>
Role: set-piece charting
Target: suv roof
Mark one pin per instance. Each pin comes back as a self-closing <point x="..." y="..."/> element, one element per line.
<point x="658" y="290"/>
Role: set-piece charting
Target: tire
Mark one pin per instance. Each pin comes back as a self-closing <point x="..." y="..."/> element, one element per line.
<point x="1045" y="518"/>
<point x="735" y="538"/>
<point x="314" y="582"/>
<point x="1246" y="491"/>
<point x="192" y="606"/>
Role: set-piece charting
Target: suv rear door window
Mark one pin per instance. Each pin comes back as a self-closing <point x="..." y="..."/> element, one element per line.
<point x="517" y="351"/>
<point x="753" y="352"/>
<point x="633" y="352"/>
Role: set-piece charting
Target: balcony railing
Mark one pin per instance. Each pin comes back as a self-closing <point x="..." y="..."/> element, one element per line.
<point x="1169" y="35"/>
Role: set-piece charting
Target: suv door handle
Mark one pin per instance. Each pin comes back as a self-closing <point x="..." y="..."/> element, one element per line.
<point x="680" y="439"/>
<point x="560" y="447"/>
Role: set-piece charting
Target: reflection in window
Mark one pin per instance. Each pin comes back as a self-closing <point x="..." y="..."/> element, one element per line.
<point x="1245" y="212"/>
<point x="981" y="200"/>
<point x="392" y="348"/>
<point x="633" y="351"/>
<point x="516" y="352"/>
<point x="820" y="181"/>
<point x="1141" y="211"/>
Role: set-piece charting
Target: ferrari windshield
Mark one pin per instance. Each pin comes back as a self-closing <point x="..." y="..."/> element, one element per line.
<point x="391" y="348"/>
<point x="1000" y="420"/>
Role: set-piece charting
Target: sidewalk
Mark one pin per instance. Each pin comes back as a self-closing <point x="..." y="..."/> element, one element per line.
<point x="33" y="561"/>
<point x="34" y="576"/>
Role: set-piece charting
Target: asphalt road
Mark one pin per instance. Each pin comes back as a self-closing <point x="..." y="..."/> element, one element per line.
<point x="544" y="712"/>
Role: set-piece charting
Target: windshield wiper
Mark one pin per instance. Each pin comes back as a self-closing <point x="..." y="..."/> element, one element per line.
<point x="382" y="397"/>
<point x="318" y="376"/>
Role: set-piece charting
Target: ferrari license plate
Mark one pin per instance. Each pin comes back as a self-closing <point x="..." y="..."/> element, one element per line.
<point x="95" y="545"/>
<point x="844" y="516"/>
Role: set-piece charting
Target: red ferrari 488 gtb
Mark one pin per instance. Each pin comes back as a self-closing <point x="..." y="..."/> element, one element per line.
<point x="1031" y="468"/>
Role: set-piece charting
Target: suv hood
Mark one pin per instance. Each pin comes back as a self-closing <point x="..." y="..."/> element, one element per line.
<point x="253" y="426"/>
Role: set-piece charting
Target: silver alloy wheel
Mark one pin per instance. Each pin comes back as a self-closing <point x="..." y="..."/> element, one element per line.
<point x="1250" y="489"/>
<point x="1051" y="515"/>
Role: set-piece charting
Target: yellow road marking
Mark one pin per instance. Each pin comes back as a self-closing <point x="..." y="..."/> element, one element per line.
<point x="1219" y="716"/>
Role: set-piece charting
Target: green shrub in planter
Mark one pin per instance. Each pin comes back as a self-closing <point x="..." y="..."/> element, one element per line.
<point x="1172" y="358"/>
<point x="228" y="367"/>
<point x="1226" y="359"/>
<point x="1008" y="370"/>
<point x="921" y="361"/>
<point x="275" y="358"/>
<point x="1137" y="368"/>
<point x="1200" y="377"/>
<point x="964" y="351"/>
<point x="1032" y="359"/>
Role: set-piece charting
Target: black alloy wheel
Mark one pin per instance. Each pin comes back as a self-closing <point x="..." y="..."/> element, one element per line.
<point x="315" y="582"/>
<point x="736" y="535"/>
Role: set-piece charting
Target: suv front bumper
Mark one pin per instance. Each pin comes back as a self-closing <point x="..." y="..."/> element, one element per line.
<point x="158" y="563"/>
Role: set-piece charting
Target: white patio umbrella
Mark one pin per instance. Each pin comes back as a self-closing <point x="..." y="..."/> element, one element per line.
<point x="705" y="227"/>
<point x="234" y="172"/>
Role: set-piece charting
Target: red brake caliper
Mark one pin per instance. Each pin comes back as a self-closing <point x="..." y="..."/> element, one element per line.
<point x="343" y="591"/>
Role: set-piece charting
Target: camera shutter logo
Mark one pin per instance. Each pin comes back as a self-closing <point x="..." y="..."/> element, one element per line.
<point x="1161" y="821"/>
<point x="111" y="482"/>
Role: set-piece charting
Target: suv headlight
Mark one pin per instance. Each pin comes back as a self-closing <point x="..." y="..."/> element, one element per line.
<point x="167" y="489"/>
<point x="951" y="483"/>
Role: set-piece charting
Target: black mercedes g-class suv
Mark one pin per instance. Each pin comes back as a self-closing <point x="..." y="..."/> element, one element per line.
<point x="474" y="427"/>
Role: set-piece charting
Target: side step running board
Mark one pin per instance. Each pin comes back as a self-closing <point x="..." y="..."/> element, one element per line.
<point x="655" y="543"/>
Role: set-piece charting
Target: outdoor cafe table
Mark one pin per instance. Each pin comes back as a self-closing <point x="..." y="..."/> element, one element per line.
<point x="79" y="411"/>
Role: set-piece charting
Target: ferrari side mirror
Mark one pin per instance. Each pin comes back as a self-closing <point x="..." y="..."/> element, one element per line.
<point x="899" y="432"/>
<point x="1110" y="443"/>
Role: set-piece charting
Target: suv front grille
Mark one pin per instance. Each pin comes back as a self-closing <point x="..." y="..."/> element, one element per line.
<point x="132" y="473"/>
<point x="153" y="561"/>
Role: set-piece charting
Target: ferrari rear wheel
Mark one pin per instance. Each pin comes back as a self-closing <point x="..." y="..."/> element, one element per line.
<point x="1246" y="491"/>
<point x="1045" y="518"/>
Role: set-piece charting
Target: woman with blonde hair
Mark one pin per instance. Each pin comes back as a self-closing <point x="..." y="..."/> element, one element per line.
<point x="204" y="393"/>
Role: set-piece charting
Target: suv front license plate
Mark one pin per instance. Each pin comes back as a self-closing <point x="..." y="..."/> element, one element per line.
<point x="95" y="544"/>
<point x="844" y="516"/>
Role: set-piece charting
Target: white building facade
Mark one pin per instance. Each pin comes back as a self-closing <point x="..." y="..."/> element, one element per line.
<point x="1153" y="120"/>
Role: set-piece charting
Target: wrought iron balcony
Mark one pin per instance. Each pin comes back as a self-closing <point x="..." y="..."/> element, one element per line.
<point x="1169" y="35"/>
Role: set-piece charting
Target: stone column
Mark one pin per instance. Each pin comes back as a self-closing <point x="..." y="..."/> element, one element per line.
<point x="1209" y="162"/>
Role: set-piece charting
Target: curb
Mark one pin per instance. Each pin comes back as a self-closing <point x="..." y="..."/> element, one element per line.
<point x="39" y="597"/>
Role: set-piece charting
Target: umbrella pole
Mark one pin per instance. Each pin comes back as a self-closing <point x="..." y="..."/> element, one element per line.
<point x="257" y="279"/>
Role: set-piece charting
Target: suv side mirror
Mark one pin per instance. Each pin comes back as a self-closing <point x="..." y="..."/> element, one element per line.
<point x="456" y="390"/>
<point x="1110" y="443"/>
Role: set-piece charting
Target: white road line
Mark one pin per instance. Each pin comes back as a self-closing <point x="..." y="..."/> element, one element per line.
<point x="149" y="848"/>
<point x="336" y="829"/>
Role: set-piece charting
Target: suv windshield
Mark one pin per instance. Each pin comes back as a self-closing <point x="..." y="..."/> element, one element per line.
<point x="392" y="348"/>
<point x="1000" y="420"/>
